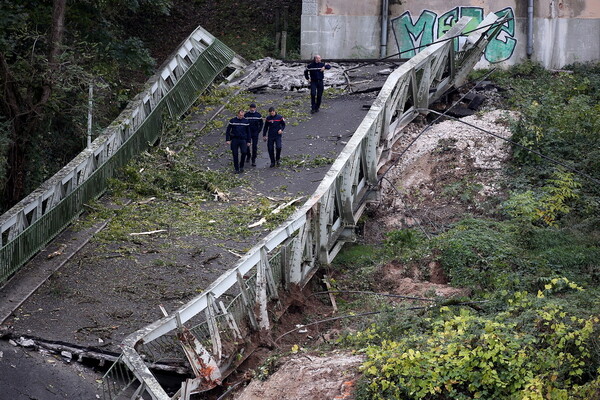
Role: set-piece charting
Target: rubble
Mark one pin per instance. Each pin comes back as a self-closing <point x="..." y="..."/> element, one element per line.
<point x="290" y="76"/>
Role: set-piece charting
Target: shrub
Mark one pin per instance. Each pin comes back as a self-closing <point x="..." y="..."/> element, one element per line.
<point x="469" y="356"/>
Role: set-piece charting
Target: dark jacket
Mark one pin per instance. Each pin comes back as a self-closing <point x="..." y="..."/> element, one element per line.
<point x="238" y="129"/>
<point x="314" y="71"/>
<point x="255" y="120"/>
<point x="273" y="124"/>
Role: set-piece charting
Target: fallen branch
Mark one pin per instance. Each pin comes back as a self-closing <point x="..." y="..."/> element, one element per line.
<point x="446" y="303"/>
<point x="289" y="203"/>
<point x="331" y="296"/>
<point x="147" y="200"/>
<point x="258" y="223"/>
<point x="234" y="253"/>
<point x="147" y="233"/>
<point x="58" y="252"/>
<point x="375" y="294"/>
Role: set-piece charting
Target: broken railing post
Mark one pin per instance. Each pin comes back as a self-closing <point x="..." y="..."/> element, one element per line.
<point x="261" y="296"/>
<point x="246" y="300"/>
<point x="213" y="327"/>
<point x="207" y="372"/>
<point x="266" y="267"/>
<point x="230" y="321"/>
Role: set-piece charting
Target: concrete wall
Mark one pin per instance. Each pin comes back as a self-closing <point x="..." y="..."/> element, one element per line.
<point x="340" y="28"/>
<point x="564" y="31"/>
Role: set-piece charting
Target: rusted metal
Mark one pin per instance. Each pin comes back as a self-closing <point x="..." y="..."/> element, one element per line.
<point x="205" y="368"/>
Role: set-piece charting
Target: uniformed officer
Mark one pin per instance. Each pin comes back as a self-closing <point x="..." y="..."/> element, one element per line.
<point x="314" y="72"/>
<point x="238" y="136"/>
<point x="274" y="125"/>
<point x="256" y="124"/>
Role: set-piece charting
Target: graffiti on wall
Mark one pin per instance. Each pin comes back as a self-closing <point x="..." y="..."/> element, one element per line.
<point x="429" y="27"/>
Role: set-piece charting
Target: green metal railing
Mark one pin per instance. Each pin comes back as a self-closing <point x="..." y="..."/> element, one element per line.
<point x="190" y="79"/>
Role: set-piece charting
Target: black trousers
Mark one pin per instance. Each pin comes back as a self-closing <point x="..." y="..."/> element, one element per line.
<point x="254" y="148"/>
<point x="274" y="143"/>
<point x="238" y="146"/>
<point x="316" y="92"/>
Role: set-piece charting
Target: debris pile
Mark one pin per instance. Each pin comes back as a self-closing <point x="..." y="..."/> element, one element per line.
<point x="290" y="76"/>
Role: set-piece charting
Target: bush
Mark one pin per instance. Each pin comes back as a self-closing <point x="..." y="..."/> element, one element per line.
<point x="468" y="356"/>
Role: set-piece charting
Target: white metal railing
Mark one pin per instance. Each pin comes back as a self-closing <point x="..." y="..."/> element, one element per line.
<point x="313" y="234"/>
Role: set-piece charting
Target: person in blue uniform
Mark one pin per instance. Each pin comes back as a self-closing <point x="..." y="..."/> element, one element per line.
<point x="238" y="136"/>
<point x="274" y="126"/>
<point x="256" y="124"/>
<point x="314" y="73"/>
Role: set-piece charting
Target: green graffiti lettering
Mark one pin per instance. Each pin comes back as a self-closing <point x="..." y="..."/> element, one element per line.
<point x="424" y="31"/>
<point x="502" y="46"/>
<point x="409" y="35"/>
<point x="476" y="14"/>
<point x="446" y="21"/>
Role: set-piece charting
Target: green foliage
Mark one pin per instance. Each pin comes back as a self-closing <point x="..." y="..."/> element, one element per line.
<point x="522" y="207"/>
<point x="549" y="204"/>
<point x="359" y="262"/>
<point x="306" y="161"/>
<point x="536" y="336"/>
<point x="468" y="356"/>
<point x="479" y="254"/>
<point x="559" y="117"/>
<point x="465" y="190"/>
<point x="95" y="49"/>
<point x="405" y="244"/>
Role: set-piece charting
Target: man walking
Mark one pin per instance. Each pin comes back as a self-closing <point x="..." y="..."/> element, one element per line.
<point x="256" y="124"/>
<point x="238" y="136"/>
<point x="314" y="73"/>
<point x="274" y="125"/>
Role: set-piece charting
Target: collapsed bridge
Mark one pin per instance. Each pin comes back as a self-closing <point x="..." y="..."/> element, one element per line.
<point x="210" y="333"/>
<point x="207" y="332"/>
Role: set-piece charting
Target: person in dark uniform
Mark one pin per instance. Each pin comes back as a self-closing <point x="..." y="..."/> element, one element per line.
<point x="274" y="125"/>
<point x="256" y="124"/>
<point x="314" y="72"/>
<point x="238" y="136"/>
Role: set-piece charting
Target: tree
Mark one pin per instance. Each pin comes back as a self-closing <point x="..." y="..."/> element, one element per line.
<point x="49" y="54"/>
<point x="25" y="111"/>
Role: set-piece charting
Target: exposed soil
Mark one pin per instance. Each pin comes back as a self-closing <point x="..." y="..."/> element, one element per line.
<point x="308" y="377"/>
<point x="451" y="170"/>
